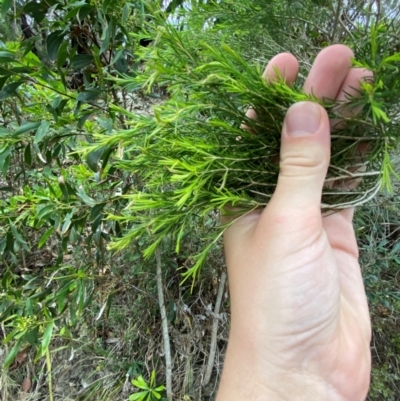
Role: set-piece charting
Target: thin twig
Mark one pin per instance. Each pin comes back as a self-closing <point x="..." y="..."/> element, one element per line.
<point x="214" y="332"/>
<point x="337" y="17"/>
<point x="165" y="331"/>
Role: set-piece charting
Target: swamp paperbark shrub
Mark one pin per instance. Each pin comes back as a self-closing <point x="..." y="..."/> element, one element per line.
<point x="54" y="58"/>
<point x="193" y="156"/>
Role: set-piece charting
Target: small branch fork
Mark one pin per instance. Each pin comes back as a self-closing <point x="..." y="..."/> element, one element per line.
<point x="165" y="331"/>
<point x="214" y="332"/>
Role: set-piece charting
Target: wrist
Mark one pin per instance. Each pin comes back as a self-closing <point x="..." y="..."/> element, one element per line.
<point x="248" y="375"/>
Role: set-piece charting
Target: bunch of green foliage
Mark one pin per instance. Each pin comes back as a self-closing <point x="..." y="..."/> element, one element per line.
<point x="54" y="57"/>
<point x="194" y="156"/>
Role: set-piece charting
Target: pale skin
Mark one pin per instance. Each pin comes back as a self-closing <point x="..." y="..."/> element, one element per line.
<point x="300" y="327"/>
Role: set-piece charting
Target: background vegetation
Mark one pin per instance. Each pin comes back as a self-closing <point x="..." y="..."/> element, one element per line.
<point x="81" y="321"/>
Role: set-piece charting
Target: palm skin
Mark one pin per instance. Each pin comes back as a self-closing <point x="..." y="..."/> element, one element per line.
<point x="300" y="322"/>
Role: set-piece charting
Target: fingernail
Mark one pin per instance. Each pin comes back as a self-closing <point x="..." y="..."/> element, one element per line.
<point x="302" y="119"/>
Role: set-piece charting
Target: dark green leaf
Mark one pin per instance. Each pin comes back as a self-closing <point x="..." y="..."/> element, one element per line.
<point x="26" y="128"/>
<point x="6" y="56"/>
<point x="28" y="155"/>
<point x="5" y="7"/>
<point x="97" y="222"/>
<point x="46" y="337"/>
<point x="16" y="234"/>
<point x="12" y="354"/>
<point x="62" y="54"/>
<point x="85" y="11"/>
<point x="4" y="132"/>
<point x="89" y="95"/>
<point x="53" y="43"/>
<point x="6" y="72"/>
<point x="106" y="37"/>
<point x="4" y="165"/>
<point x="87" y="199"/>
<point x="122" y="65"/>
<point x="37" y="10"/>
<point x="106" y="4"/>
<point x="125" y="13"/>
<point x="80" y="61"/>
<point x="73" y="12"/>
<point x="41" y="131"/>
<point x="67" y="222"/>
<point x="10" y="90"/>
<point x="96" y="210"/>
<point x="44" y="211"/>
<point x="33" y="336"/>
<point x="93" y="158"/>
<point x="45" y="237"/>
<point x="3" y="80"/>
<point x="10" y="242"/>
<point x="106" y="156"/>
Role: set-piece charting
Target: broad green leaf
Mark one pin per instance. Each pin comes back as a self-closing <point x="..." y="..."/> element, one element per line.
<point x="140" y="383"/>
<point x="12" y="354"/>
<point x="44" y="211"/>
<point x="93" y="159"/>
<point x="16" y="234"/>
<point x="5" y="7"/>
<point x="89" y="95"/>
<point x="85" y="11"/>
<point x="3" y="80"/>
<point x="53" y="43"/>
<point x="125" y="13"/>
<point x="67" y="222"/>
<point x="41" y="131"/>
<point x="46" y="337"/>
<point x="95" y="225"/>
<point x="87" y="199"/>
<point x="37" y="10"/>
<point x="6" y="56"/>
<point x="106" y="37"/>
<point x="106" y="4"/>
<point x="80" y="61"/>
<point x="45" y="237"/>
<point x="75" y="10"/>
<point x="28" y="155"/>
<point x="62" y="54"/>
<point x="4" y="132"/>
<point x="10" y="90"/>
<point x="96" y="210"/>
<point x="26" y="128"/>
<point x="6" y="72"/>
<point x="140" y="396"/>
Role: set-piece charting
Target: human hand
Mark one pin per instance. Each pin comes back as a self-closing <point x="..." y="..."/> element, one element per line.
<point x="300" y="325"/>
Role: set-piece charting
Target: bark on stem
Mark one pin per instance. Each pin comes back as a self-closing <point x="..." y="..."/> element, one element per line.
<point x="165" y="331"/>
<point x="214" y="333"/>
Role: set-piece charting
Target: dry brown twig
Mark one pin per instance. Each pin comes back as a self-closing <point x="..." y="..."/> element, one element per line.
<point x="165" y="331"/>
<point x="214" y="333"/>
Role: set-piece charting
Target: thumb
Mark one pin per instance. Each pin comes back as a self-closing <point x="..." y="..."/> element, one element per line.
<point x="304" y="159"/>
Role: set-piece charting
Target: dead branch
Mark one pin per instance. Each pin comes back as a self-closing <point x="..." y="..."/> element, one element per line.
<point x="214" y="333"/>
<point x="165" y="331"/>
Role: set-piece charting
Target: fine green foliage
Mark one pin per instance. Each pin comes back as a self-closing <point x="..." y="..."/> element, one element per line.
<point x="194" y="157"/>
<point x="74" y="75"/>
<point x="53" y="97"/>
